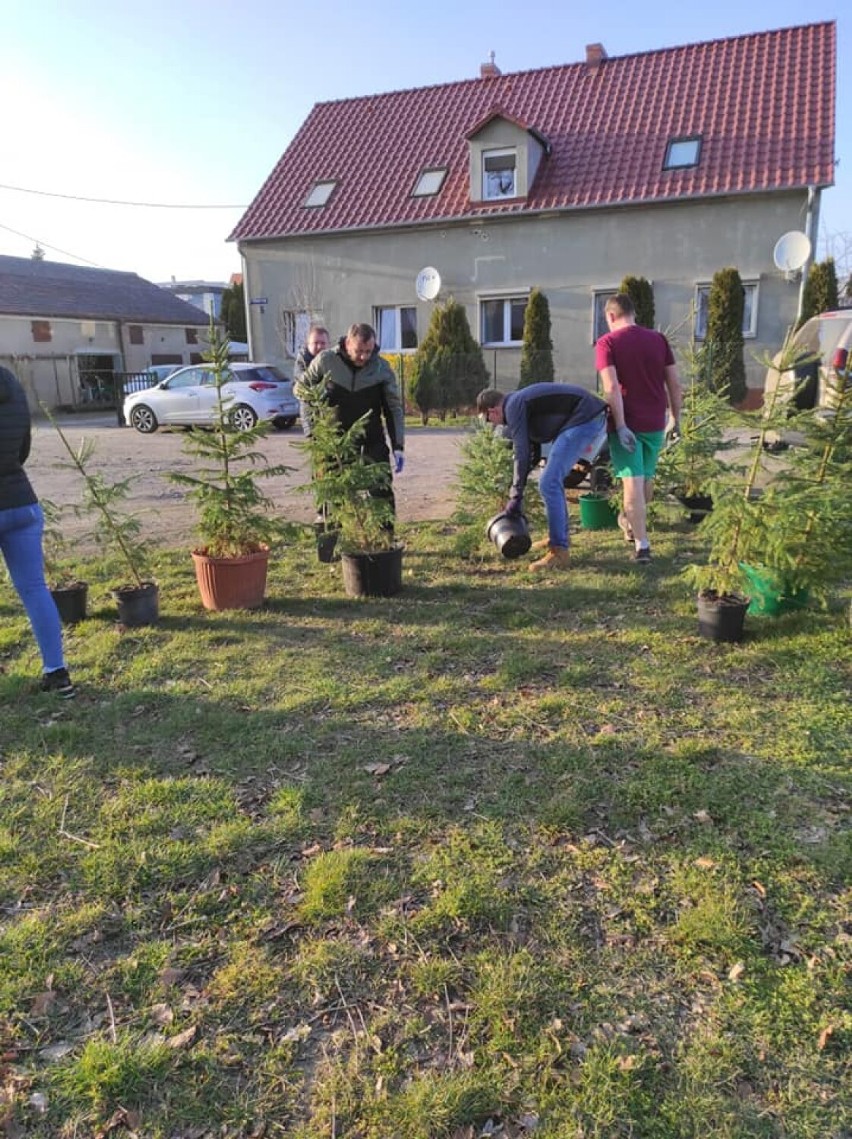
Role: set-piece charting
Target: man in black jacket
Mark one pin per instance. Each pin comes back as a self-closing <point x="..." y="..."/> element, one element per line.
<point x="21" y="528"/>
<point x="574" y="421"/>
<point x="356" y="380"/>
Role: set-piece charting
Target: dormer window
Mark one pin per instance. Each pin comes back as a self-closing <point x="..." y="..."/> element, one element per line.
<point x="320" y="193"/>
<point x="682" y="152"/>
<point x="429" y="183"/>
<point x="499" y="174"/>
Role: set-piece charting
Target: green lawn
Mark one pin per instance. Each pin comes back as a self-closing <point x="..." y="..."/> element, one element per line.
<point x="498" y="856"/>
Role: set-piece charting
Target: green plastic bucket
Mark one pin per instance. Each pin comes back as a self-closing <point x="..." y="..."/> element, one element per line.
<point x="770" y="595"/>
<point x="597" y="513"/>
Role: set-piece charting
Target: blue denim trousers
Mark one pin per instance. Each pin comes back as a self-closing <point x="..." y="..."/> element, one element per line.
<point x="21" y="529"/>
<point x="583" y="440"/>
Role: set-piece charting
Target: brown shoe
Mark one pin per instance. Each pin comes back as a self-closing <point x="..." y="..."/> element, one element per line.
<point x="555" y="558"/>
<point x="541" y="544"/>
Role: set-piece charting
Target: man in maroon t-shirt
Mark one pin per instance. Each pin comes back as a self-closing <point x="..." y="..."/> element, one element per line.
<point x="640" y="383"/>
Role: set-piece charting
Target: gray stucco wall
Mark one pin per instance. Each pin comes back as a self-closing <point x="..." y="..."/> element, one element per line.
<point x="341" y="278"/>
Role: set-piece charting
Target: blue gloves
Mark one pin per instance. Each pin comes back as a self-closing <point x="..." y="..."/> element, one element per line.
<point x="513" y="506"/>
<point x="398" y="462"/>
<point x="627" y="439"/>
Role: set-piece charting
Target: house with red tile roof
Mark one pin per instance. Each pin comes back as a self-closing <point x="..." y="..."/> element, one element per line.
<point x="669" y="165"/>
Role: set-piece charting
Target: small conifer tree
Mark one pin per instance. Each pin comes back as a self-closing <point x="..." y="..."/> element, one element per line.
<point x="455" y="360"/>
<point x="821" y="292"/>
<point x="537" y="350"/>
<point x="723" y="341"/>
<point x="642" y="294"/>
<point x="233" y="312"/>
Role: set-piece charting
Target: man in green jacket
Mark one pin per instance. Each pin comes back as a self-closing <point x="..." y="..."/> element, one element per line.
<point x="357" y="380"/>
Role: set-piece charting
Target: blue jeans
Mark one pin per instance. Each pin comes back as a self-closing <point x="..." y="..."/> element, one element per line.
<point x="20" y="540"/>
<point x="565" y="450"/>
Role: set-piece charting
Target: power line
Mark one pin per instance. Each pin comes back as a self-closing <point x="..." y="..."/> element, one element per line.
<point x="47" y="245"/>
<point x="115" y="202"/>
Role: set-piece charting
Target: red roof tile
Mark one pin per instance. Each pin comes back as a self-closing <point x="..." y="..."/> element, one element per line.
<point x="763" y="105"/>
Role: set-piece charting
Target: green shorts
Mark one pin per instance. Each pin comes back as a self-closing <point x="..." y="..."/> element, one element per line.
<point x="642" y="463"/>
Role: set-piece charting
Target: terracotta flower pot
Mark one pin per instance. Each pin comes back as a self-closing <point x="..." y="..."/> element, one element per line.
<point x="231" y="583"/>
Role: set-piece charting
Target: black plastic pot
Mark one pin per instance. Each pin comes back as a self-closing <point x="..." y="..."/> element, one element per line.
<point x="373" y="575"/>
<point x="326" y="542"/>
<point x="71" y="602"/>
<point x="510" y="534"/>
<point x="721" y="618"/>
<point x="138" y="606"/>
<point x="698" y="505"/>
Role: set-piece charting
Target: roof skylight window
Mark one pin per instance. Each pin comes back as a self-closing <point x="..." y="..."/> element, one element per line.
<point x="320" y="193"/>
<point x="682" y="152"/>
<point x="429" y="183"/>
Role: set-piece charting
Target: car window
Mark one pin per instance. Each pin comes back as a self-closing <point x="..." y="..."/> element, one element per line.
<point x="186" y="379"/>
<point x="266" y="373"/>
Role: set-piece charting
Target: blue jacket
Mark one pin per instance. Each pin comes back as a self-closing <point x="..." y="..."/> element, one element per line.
<point x="540" y="412"/>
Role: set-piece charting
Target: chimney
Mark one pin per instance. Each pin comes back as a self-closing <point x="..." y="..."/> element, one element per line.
<point x="595" y="55"/>
<point x="489" y="70"/>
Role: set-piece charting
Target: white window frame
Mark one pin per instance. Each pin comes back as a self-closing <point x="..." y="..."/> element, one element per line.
<point x="320" y="193"/>
<point x="396" y="312"/>
<point x="510" y="154"/>
<point x="751" y="285"/>
<point x="293" y="328"/>
<point x="429" y="182"/>
<point x="507" y="300"/>
<point x="682" y="153"/>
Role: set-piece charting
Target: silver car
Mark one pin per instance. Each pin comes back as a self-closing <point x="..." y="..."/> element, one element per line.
<point x="188" y="398"/>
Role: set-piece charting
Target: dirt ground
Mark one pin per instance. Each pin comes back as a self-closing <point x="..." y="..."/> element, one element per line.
<point x="424" y="491"/>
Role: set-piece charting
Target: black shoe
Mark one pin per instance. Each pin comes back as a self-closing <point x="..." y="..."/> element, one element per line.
<point x="642" y="556"/>
<point x="59" y="682"/>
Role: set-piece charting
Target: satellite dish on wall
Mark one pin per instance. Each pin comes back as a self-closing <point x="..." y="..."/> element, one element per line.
<point x="428" y="283"/>
<point x="791" y="251"/>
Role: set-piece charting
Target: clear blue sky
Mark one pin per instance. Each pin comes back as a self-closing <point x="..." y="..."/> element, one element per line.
<point x="180" y="101"/>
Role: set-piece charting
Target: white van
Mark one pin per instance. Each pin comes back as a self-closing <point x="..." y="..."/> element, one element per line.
<point x="823" y="344"/>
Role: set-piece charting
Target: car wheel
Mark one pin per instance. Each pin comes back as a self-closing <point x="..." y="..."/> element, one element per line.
<point x="243" y="418"/>
<point x="143" y="419"/>
<point x="284" y="422"/>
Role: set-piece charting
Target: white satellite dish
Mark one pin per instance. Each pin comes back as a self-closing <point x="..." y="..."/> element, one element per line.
<point x="428" y="283"/>
<point x="791" y="251"/>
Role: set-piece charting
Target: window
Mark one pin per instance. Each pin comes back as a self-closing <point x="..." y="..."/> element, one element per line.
<point x="136" y="334"/>
<point x="599" y="322"/>
<point x="41" y="331"/>
<point x="498" y="174"/>
<point x="502" y="320"/>
<point x="702" y="296"/>
<point x="320" y="194"/>
<point x="429" y="182"/>
<point x="396" y="328"/>
<point x="682" y="152"/>
<point x="191" y="335"/>
<point x="293" y="328"/>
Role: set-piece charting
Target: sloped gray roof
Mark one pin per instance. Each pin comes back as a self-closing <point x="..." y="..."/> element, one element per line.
<point x="46" y="289"/>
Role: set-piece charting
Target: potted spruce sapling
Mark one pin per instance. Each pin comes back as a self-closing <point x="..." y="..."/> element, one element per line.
<point x="115" y="532"/>
<point x="69" y="593"/>
<point x="355" y="493"/>
<point x="692" y="459"/>
<point x="778" y="522"/>
<point x="235" y="525"/>
<point x="483" y="482"/>
<point x="805" y="544"/>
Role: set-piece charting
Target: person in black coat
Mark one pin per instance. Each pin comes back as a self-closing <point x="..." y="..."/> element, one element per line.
<point x="21" y="529"/>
